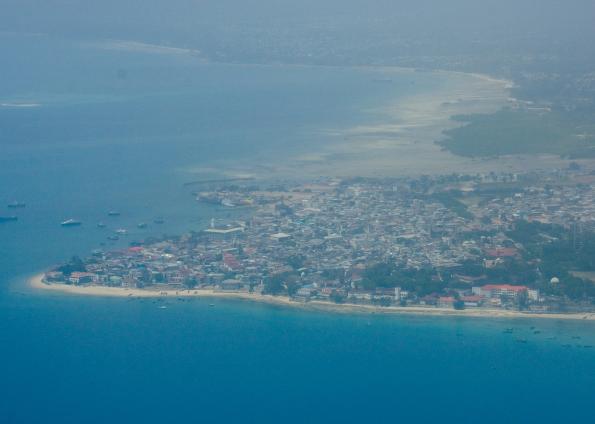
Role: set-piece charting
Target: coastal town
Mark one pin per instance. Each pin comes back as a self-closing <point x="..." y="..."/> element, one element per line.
<point x="502" y="242"/>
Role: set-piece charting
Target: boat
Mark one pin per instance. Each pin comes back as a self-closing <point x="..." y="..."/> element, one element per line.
<point x="159" y="220"/>
<point x="113" y="213"/>
<point x="100" y="225"/>
<point x="142" y="225"/>
<point x="113" y="238"/>
<point x="8" y="218"/>
<point x="71" y="223"/>
<point x="16" y="205"/>
<point x="121" y="231"/>
<point x="228" y="203"/>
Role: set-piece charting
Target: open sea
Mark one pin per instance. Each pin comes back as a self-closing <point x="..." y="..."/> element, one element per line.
<point x="87" y="128"/>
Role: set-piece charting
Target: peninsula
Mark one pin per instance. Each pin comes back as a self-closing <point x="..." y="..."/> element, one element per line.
<point x="503" y="245"/>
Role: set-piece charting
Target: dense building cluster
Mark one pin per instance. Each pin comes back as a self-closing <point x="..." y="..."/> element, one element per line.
<point x="434" y="241"/>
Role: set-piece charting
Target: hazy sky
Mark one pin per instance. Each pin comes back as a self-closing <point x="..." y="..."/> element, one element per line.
<point x="182" y="16"/>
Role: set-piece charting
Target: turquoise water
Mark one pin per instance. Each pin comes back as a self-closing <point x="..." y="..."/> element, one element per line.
<point x="120" y="130"/>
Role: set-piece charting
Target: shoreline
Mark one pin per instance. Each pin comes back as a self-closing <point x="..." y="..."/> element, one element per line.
<point x="36" y="283"/>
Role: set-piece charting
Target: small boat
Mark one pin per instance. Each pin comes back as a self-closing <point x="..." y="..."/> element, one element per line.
<point x="211" y="304"/>
<point x="121" y="231"/>
<point x="162" y="307"/>
<point x="113" y="213"/>
<point x="16" y="205"/>
<point x="101" y="225"/>
<point x="113" y="238"/>
<point x="142" y="225"/>
<point x="71" y="223"/>
<point x="8" y="218"/>
<point x="159" y="220"/>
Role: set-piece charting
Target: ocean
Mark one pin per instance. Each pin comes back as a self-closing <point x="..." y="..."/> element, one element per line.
<point x="108" y="128"/>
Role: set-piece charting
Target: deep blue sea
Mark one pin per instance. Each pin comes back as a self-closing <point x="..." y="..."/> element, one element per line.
<point x="124" y="130"/>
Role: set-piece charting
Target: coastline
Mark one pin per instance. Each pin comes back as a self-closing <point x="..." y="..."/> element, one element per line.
<point x="36" y="283"/>
<point x="403" y="140"/>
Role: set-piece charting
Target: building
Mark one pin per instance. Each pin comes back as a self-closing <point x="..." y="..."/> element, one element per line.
<point x="501" y="291"/>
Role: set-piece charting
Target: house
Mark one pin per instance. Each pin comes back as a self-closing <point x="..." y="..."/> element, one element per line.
<point x="446" y="301"/>
<point x="502" y="252"/>
<point x="82" y="278"/>
<point x="472" y="301"/>
<point x="230" y="285"/>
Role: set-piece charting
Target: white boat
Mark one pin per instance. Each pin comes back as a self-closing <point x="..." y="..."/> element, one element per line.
<point x="71" y="223"/>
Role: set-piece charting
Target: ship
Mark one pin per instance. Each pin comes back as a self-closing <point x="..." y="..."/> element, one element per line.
<point x="121" y="231"/>
<point x="159" y="220"/>
<point x="142" y="225"/>
<point x="100" y="225"/>
<point x="113" y="213"/>
<point x="16" y="205"/>
<point x="228" y="203"/>
<point x="8" y="218"/>
<point x="71" y="223"/>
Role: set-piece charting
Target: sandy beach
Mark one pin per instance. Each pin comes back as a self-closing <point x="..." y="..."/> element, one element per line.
<point x="36" y="282"/>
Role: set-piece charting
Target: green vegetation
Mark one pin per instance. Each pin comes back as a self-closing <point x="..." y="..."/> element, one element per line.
<point x="388" y="275"/>
<point x="559" y="252"/>
<point x="75" y="264"/>
<point x="449" y="200"/>
<point x="519" y="131"/>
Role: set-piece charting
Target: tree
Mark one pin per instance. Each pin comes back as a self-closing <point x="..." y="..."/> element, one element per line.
<point x="522" y="300"/>
<point x="337" y="297"/>
<point x="75" y="264"/>
<point x="190" y="282"/>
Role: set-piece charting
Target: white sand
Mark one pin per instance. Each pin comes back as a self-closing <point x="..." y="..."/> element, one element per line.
<point x="37" y="283"/>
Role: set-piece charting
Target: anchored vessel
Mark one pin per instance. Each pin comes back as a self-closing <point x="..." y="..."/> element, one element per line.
<point x="15" y="205"/>
<point x="71" y="223"/>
